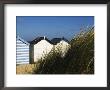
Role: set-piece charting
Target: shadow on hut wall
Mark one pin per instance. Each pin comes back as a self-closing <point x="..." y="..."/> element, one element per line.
<point x="31" y="55"/>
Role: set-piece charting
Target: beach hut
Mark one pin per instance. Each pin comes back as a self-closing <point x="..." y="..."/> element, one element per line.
<point x="22" y="51"/>
<point x="61" y="45"/>
<point x="39" y="47"/>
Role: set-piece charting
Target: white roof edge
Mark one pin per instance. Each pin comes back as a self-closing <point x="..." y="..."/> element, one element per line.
<point x="22" y="40"/>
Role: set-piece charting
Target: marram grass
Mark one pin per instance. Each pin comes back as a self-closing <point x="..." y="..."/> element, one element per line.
<point x="79" y="59"/>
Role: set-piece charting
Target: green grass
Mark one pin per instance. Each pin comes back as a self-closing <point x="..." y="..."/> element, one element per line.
<point x="79" y="59"/>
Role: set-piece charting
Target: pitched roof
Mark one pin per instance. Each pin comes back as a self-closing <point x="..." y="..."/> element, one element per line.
<point x="38" y="39"/>
<point x="57" y="40"/>
<point x="19" y="38"/>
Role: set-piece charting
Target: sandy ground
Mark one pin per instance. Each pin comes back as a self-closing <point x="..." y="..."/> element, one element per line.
<point x="25" y="68"/>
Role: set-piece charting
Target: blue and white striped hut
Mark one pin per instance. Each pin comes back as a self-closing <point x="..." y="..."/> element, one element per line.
<point x="22" y="51"/>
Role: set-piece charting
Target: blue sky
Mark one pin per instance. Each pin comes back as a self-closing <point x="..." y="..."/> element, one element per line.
<point x="30" y="27"/>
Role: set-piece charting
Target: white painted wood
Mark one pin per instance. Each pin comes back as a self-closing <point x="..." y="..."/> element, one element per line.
<point x="22" y="51"/>
<point x="41" y="49"/>
<point x="62" y="47"/>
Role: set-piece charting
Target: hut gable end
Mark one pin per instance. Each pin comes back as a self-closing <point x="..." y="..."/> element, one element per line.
<point x="39" y="48"/>
<point x="22" y="51"/>
<point x="38" y="39"/>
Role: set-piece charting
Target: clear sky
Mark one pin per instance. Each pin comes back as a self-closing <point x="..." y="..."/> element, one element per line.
<point x="30" y="27"/>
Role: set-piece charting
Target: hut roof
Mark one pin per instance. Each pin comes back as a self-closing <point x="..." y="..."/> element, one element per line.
<point x="38" y="39"/>
<point x="57" y="40"/>
<point x="19" y="38"/>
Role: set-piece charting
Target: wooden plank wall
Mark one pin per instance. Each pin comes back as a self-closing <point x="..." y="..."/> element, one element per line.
<point x="22" y="52"/>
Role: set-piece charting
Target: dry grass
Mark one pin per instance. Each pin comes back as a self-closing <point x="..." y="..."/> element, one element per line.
<point x="25" y="68"/>
<point x="79" y="59"/>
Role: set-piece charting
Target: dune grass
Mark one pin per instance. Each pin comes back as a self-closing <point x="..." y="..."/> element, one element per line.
<point x="79" y="59"/>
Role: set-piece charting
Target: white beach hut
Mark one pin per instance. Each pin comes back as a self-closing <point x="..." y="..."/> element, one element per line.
<point x="61" y="45"/>
<point x="22" y="51"/>
<point x="39" y="47"/>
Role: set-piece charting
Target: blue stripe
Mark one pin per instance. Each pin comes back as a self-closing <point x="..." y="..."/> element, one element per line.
<point x="22" y="57"/>
<point x="23" y="60"/>
<point x="26" y="59"/>
<point x="22" y="52"/>
<point x="19" y="45"/>
<point x="18" y="49"/>
<point x="22" y="47"/>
